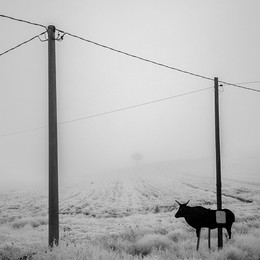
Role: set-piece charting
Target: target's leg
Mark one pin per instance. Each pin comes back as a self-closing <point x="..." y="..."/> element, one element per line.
<point x="198" y="241"/>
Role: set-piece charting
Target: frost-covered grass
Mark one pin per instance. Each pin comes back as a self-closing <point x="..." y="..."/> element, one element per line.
<point x="127" y="218"/>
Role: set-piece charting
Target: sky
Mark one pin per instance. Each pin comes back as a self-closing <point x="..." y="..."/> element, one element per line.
<point x="209" y="38"/>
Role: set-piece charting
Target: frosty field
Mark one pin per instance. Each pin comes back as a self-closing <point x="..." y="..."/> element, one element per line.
<point x="129" y="215"/>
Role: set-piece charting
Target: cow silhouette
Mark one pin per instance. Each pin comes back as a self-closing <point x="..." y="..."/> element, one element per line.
<point x="199" y="217"/>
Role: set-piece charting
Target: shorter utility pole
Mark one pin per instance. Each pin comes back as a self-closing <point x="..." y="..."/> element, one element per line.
<point x="53" y="143"/>
<point x="218" y="159"/>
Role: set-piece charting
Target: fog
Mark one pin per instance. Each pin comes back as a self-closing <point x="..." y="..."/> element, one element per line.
<point x="214" y="39"/>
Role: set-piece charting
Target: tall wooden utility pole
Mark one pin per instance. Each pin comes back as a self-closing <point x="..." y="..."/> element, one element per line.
<point x="218" y="160"/>
<point x="53" y="143"/>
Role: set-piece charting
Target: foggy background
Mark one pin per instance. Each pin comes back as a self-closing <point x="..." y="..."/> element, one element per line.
<point x="210" y="38"/>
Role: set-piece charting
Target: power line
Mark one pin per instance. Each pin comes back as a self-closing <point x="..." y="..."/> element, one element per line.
<point x="110" y="48"/>
<point x="122" y="52"/>
<point x="248" y="82"/>
<point x="154" y="62"/>
<point x="23" y="131"/>
<point x="238" y="86"/>
<point x="109" y="112"/>
<point x="19" y="45"/>
<point x="23" y="21"/>
<point x="134" y="56"/>
<point x="134" y="106"/>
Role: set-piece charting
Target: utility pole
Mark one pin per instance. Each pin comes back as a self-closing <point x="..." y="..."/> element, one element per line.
<point x="53" y="143"/>
<point x="218" y="159"/>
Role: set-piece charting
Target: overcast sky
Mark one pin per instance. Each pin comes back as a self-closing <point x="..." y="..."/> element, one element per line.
<point x="211" y="38"/>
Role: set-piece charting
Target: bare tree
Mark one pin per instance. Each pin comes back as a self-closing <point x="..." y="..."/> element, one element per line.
<point x="137" y="157"/>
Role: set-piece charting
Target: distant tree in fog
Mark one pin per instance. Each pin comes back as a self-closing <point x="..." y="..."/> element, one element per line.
<point x="137" y="157"/>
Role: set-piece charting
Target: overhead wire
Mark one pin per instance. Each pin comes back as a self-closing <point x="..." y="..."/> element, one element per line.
<point x="239" y="86"/>
<point x="110" y="112"/>
<point x="134" y="56"/>
<point x="23" y="131"/>
<point x="134" y="106"/>
<point x="23" y="21"/>
<point x="248" y="82"/>
<point x="151" y="61"/>
<point x="19" y="45"/>
<point x="118" y="51"/>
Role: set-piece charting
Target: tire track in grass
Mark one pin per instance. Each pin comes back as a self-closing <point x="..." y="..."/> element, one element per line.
<point x="223" y="194"/>
<point x="132" y="195"/>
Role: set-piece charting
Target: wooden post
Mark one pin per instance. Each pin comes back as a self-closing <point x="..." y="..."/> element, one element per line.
<point x="209" y="239"/>
<point x="218" y="160"/>
<point x="53" y="143"/>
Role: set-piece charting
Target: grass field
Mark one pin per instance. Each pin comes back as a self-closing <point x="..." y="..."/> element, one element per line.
<point x="129" y="215"/>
